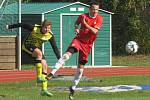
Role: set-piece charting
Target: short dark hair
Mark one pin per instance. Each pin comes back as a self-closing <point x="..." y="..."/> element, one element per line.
<point x="93" y="3"/>
<point x="46" y="22"/>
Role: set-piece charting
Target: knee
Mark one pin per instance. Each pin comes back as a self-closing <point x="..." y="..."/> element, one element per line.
<point x="66" y="56"/>
<point x="37" y="54"/>
<point x="83" y="62"/>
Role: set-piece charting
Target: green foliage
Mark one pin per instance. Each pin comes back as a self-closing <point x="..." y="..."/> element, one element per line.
<point x="127" y="26"/>
<point x="145" y="23"/>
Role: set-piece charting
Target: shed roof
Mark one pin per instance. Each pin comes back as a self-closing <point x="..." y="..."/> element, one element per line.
<point x="32" y="8"/>
<point x="39" y="8"/>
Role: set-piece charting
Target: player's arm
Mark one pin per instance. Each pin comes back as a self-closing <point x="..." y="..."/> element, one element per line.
<point x="93" y="29"/>
<point x="23" y="25"/>
<point x="54" y="47"/>
<point x="76" y="28"/>
<point x="76" y="24"/>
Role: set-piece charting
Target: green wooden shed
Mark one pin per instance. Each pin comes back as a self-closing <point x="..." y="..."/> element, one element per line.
<point x="63" y="16"/>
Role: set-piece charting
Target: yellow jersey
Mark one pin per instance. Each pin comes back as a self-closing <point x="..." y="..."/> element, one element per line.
<point x="36" y="38"/>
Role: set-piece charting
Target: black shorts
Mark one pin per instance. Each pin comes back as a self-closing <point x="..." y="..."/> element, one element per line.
<point x="29" y="49"/>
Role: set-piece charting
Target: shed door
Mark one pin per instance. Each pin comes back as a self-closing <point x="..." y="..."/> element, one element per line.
<point x="67" y="36"/>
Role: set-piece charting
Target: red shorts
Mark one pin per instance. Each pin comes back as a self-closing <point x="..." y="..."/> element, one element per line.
<point x="83" y="49"/>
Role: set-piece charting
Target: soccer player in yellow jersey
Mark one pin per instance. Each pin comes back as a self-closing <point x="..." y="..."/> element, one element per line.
<point x="32" y="45"/>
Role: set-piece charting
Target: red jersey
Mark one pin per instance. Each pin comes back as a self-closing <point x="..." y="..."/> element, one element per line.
<point x="85" y="35"/>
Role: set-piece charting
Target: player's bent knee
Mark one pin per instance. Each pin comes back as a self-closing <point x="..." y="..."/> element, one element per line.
<point x="66" y="56"/>
<point x="83" y="62"/>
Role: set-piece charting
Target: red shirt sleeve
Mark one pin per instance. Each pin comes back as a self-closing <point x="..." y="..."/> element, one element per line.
<point x="78" y="21"/>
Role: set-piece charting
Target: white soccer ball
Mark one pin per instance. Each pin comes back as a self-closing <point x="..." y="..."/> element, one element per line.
<point x="131" y="47"/>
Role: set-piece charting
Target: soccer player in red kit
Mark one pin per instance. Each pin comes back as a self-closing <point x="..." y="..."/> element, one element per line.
<point x="89" y="23"/>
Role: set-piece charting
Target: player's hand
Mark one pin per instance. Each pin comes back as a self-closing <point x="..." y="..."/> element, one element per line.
<point x="7" y="26"/>
<point x="76" y="31"/>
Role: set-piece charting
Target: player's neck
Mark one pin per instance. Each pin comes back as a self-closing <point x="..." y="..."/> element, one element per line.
<point x="92" y="16"/>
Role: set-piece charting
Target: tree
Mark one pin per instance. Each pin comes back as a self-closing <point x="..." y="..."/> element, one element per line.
<point x="127" y="25"/>
<point x="145" y="23"/>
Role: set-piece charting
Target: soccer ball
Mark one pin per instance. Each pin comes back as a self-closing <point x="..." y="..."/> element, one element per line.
<point x="131" y="47"/>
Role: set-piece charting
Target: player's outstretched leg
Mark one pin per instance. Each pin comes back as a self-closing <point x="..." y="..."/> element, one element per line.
<point x="59" y="64"/>
<point x="71" y="94"/>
